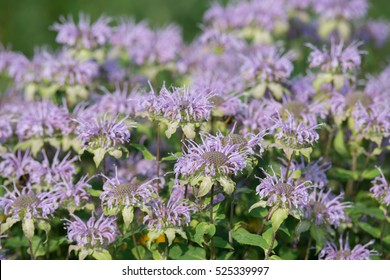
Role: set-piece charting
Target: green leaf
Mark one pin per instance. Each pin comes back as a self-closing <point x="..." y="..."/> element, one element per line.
<point x="28" y="228"/>
<point x="275" y="257"/>
<point x="277" y="90"/>
<point x="128" y="215"/>
<point x="375" y="232"/>
<point x="141" y="250"/>
<point x="225" y="255"/>
<point x="201" y="230"/>
<point x="172" y="157"/>
<point x="370" y="173"/>
<point x="303" y="226"/>
<point x="227" y="184"/>
<point x="278" y="217"/>
<point x="94" y="193"/>
<point x="170" y="233"/>
<point x="116" y="153"/>
<point x="8" y="224"/>
<point x="189" y="131"/>
<point x="244" y="237"/>
<point x="386" y="239"/>
<point x="46" y="227"/>
<point x="339" y="144"/>
<point x="205" y="186"/>
<point x="219" y="242"/>
<point x="101" y="254"/>
<point x="297" y="174"/>
<point x="178" y="252"/>
<point x="306" y="153"/>
<point x="261" y="203"/>
<point x="172" y="127"/>
<point x="145" y="152"/>
<point x="267" y="235"/>
<point x="98" y="155"/>
<point x="344" y="174"/>
<point x="318" y="234"/>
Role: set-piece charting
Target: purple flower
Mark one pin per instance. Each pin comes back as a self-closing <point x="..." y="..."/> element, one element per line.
<point x="175" y="213"/>
<point x="102" y="131"/>
<point x="93" y="233"/>
<point x="380" y="189"/>
<point x="359" y="252"/>
<point x="67" y="191"/>
<point x="14" y="166"/>
<point x="26" y="203"/>
<point x="54" y="172"/>
<point x="182" y="105"/>
<point x="315" y="172"/>
<point x="211" y="158"/>
<point x="84" y="34"/>
<point x="325" y="207"/>
<point x="338" y="58"/>
<point x="378" y="88"/>
<point x="347" y="9"/>
<point x="42" y="118"/>
<point x="377" y="31"/>
<point x="281" y="193"/>
<point x="5" y="128"/>
<point x="135" y="166"/>
<point x="168" y="43"/>
<point x="258" y="115"/>
<point x="118" y="193"/>
<point x="267" y="64"/>
<point x="294" y="134"/>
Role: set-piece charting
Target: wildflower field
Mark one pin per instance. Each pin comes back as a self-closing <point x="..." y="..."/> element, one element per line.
<point x="265" y="137"/>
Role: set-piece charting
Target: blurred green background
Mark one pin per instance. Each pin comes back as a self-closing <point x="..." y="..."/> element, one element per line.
<point x="24" y="24"/>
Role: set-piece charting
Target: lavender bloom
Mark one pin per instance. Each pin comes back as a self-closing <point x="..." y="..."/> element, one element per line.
<point x="303" y="88"/>
<point x="324" y="207"/>
<point x="5" y="128"/>
<point x="27" y="203"/>
<point x="211" y="158"/>
<point x="66" y="190"/>
<point x="39" y="119"/>
<point x="182" y="105"/>
<point x="102" y="131"/>
<point x="94" y="233"/>
<point x="378" y="88"/>
<point x="84" y="34"/>
<point x="268" y="64"/>
<point x="347" y="9"/>
<point x="55" y="172"/>
<point x="295" y="135"/>
<point x="281" y="193"/>
<point x="372" y="121"/>
<point x="14" y="166"/>
<point x="121" y="101"/>
<point x="381" y="189"/>
<point x="168" y="43"/>
<point x="117" y="193"/>
<point x="359" y="252"/>
<point x="135" y="166"/>
<point x="337" y="59"/>
<point x="14" y="64"/>
<point x="175" y="213"/>
<point x="315" y="172"/>
<point x="377" y="31"/>
<point x="258" y="115"/>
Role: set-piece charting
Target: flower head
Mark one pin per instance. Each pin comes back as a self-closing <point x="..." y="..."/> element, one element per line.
<point x="175" y="213"/>
<point x="84" y="34"/>
<point x="324" y="207"/>
<point x="359" y="252"/>
<point x="15" y="166"/>
<point x="211" y="158"/>
<point x="76" y="192"/>
<point x="42" y="118"/>
<point x="27" y="203"/>
<point x="381" y="189"/>
<point x="347" y="9"/>
<point x="279" y="192"/>
<point x="337" y="59"/>
<point x="102" y="131"/>
<point x="93" y="233"/>
<point x="118" y="193"/>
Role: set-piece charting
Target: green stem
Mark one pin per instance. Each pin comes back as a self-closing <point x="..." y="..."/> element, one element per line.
<point x="158" y="153"/>
<point x="271" y="246"/>
<point x="134" y="241"/>
<point x="166" y="248"/>
<point x="212" y="252"/>
<point x="308" y="248"/>
<point x="350" y="183"/>
<point x="288" y="168"/>
<point x="31" y="250"/>
<point x="231" y="219"/>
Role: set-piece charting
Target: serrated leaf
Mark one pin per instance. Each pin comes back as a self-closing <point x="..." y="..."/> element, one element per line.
<point x="375" y="232"/>
<point x="261" y="203"/>
<point x="278" y="218"/>
<point x="244" y="237"/>
<point x="201" y="230"/>
<point x="101" y="254"/>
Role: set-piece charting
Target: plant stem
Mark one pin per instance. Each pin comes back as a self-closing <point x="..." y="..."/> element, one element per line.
<point x="350" y="184"/>
<point x="31" y="250"/>
<point x="288" y="168"/>
<point x="231" y="219"/>
<point x="158" y="153"/>
<point x="328" y="143"/>
<point x="200" y="202"/>
<point x="212" y="253"/>
<point x="308" y="248"/>
<point x="134" y="241"/>
<point x="166" y="248"/>
<point x="271" y="246"/>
